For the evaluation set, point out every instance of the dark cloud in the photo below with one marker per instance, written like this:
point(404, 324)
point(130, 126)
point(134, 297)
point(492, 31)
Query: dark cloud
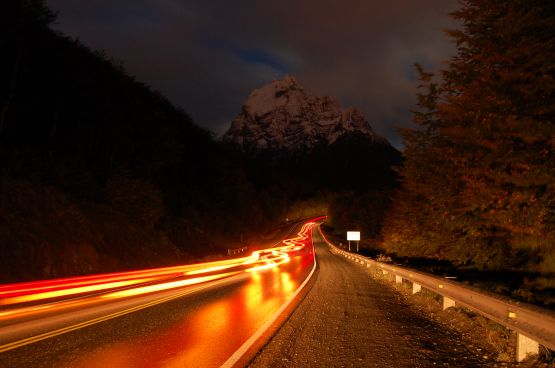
point(207, 56)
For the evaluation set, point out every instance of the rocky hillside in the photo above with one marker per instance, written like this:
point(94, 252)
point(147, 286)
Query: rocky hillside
point(282, 116)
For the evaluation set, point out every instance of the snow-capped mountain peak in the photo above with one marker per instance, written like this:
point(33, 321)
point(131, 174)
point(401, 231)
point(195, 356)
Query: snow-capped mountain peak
point(282, 116)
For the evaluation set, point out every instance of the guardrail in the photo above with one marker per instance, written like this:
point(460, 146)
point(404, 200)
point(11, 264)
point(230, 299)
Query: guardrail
point(235, 251)
point(534, 325)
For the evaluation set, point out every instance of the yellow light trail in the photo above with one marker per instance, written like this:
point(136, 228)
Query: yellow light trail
point(126, 284)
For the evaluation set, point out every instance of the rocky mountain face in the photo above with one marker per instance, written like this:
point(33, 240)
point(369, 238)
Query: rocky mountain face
point(283, 130)
point(282, 116)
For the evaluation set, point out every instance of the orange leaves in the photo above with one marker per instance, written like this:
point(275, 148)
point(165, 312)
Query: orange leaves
point(481, 172)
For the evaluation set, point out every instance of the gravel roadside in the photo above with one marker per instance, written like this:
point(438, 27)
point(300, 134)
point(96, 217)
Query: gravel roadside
point(351, 320)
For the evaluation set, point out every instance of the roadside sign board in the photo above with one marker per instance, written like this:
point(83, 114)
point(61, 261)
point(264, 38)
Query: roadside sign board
point(353, 235)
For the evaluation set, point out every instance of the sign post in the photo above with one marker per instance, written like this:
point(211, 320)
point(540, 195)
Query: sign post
point(353, 235)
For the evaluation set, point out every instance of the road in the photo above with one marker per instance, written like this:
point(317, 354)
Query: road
point(194, 316)
point(350, 320)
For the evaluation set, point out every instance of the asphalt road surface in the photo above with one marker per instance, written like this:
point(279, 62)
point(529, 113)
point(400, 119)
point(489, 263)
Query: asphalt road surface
point(201, 328)
point(351, 320)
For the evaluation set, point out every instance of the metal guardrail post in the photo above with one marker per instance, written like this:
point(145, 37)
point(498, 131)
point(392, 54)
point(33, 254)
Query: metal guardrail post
point(448, 303)
point(525, 346)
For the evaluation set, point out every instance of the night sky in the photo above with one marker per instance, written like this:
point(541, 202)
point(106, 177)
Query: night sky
point(207, 56)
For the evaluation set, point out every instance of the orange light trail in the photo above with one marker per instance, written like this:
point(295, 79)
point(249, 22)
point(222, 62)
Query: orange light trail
point(29, 298)
point(76, 290)
point(165, 286)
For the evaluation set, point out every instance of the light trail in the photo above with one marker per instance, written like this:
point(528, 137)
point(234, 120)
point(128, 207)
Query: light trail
point(46, 296)
point(165, 286)
point(76, 290)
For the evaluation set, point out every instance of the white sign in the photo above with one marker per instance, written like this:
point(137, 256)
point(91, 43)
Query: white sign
point(353, 235)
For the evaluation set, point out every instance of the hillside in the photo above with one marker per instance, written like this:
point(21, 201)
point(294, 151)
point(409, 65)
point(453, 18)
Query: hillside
point(98, 171)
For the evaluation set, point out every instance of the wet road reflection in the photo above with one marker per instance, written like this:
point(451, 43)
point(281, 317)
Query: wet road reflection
point(209, 331)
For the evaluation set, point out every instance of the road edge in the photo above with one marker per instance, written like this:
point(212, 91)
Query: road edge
point(250, 348)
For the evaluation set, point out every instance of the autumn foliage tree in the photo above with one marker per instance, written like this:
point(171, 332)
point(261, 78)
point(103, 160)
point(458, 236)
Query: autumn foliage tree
point(479, 174)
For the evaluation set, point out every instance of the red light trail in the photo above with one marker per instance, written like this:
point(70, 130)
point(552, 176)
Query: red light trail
point(33, 298)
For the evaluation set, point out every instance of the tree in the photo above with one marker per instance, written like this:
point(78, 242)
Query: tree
point(499, 113)
point(424, 221)
point(482, 162)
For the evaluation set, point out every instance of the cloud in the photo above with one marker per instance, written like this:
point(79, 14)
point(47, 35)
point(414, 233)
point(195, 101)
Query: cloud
point(207, 56)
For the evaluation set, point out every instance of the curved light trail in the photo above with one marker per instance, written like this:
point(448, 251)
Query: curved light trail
point(31, 299)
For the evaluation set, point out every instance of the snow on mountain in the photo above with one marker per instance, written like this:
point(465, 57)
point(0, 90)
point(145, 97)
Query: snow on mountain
point(282, 116)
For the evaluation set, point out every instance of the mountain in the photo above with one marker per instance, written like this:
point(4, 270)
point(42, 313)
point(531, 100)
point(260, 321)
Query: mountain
point(283, 129)
point(99, 173)
point(282, 117)
point(313, 153)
